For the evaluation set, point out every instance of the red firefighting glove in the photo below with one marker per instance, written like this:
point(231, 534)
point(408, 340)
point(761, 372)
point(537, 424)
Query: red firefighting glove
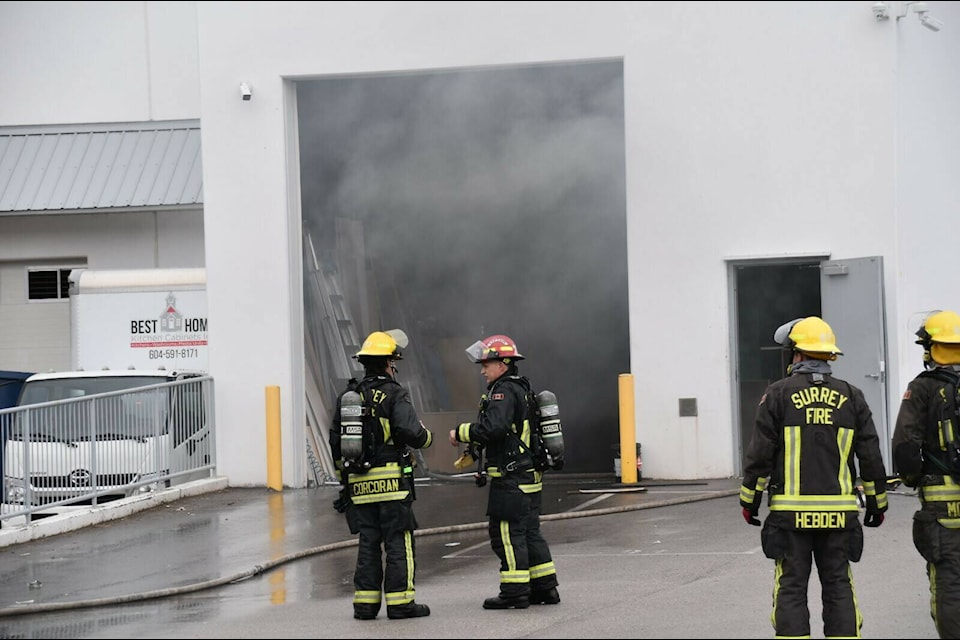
point(750, 498)
point(873, 519)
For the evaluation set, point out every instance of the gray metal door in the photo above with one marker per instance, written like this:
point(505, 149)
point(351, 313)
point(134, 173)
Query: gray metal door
point(851, 294)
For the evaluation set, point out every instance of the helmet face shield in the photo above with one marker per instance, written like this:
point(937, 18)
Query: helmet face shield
point(475, 351)
point(782, 335)
point(399, 337)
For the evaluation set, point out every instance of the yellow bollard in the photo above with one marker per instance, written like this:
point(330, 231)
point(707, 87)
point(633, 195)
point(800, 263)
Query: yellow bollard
point(628, 432)
point(274, 455)
point(278, 540)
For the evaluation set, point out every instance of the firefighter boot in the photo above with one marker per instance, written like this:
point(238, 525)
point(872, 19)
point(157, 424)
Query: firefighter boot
point(412, 610)
point(550, 596)
point(365, 611)
point(507, 602)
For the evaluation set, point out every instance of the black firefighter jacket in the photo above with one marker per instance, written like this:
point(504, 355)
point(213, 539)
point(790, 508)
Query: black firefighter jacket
point(926, 442)
point(392, 425)
point(810, 428)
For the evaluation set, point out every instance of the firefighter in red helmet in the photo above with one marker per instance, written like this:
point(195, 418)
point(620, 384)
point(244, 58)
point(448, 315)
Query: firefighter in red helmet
point(502, 429)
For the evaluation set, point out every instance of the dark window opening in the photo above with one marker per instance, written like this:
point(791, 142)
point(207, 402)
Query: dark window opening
point(48, 284)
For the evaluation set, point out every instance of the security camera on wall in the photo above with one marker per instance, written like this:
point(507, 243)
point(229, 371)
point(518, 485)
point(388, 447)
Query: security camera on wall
point(930, 22)
point(922, 11)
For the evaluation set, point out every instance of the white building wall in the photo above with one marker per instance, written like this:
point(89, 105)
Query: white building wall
point(132, 240)
point(760, 129)
point(927, 189)
point(85, 62)
point(129, 240)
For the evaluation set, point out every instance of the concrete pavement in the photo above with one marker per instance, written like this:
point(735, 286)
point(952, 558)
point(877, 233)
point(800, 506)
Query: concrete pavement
point(658, 559)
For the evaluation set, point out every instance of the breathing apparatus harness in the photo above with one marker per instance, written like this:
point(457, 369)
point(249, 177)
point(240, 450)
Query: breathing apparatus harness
point(545, 450)
point(359, 448)
point(949, 461)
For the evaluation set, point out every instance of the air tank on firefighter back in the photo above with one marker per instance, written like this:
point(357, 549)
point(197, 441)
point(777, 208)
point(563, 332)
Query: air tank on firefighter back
point(550, 427)
point(351, 430)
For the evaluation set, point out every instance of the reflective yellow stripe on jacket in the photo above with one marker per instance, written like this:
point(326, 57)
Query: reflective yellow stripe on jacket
point(533, 487)
point(749, 495)
point(792, 500)
point(379, 484)
point(945, 495)
point(870, 489)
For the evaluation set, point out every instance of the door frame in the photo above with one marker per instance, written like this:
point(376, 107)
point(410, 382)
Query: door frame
point(866, 275)
point(734, 344)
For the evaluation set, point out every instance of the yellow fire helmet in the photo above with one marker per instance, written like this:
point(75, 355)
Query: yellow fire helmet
point(809, 335)
point(940, 326)
point(940, 337)
point(384, 343)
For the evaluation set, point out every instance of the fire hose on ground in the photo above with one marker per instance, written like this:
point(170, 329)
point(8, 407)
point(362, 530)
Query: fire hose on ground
point(336, 546)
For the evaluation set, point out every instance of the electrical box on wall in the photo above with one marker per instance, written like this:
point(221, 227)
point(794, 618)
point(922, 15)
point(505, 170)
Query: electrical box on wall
point(688, 407)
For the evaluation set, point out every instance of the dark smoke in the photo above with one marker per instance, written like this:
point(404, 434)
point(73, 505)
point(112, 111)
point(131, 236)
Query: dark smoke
point(492, 201)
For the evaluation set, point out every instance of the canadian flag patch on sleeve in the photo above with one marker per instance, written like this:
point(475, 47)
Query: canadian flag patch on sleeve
point(497, 396)
point(906, 394)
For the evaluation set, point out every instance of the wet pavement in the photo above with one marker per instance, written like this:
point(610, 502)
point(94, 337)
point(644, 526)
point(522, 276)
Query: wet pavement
point(664, 559)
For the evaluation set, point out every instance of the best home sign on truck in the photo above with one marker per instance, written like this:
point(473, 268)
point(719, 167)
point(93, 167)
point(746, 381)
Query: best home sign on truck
point(138, 318)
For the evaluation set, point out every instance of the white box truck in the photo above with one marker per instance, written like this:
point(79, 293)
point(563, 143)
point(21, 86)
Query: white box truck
point(138, 318)
point(130, 329)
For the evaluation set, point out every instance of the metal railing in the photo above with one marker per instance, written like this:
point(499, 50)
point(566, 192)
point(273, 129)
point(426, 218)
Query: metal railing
point(69, 453)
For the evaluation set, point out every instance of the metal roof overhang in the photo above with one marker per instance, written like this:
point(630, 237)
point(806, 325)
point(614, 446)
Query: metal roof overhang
point(139, 166)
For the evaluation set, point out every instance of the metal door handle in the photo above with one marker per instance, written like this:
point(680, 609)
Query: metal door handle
point(875, 376)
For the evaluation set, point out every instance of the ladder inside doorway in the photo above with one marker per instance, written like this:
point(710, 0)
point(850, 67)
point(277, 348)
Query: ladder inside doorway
point(330, 342)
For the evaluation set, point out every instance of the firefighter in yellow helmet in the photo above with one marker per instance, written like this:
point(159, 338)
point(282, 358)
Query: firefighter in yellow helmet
point(926, 452)
point(373, 428)
point(503, 429)
point(809, 427)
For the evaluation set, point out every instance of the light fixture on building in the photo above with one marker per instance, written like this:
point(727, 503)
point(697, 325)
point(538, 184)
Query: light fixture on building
point(921, 9)
point(245, 91)
point(881, 11)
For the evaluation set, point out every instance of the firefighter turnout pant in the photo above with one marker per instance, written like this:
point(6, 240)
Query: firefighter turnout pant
point(938, 541)
point(795, 551)
point(389, 525)
point(514, 528)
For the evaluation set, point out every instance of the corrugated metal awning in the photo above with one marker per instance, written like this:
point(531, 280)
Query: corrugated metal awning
point(71, 168)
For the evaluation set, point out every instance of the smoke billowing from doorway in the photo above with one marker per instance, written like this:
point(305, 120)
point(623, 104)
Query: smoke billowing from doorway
point(491, 201)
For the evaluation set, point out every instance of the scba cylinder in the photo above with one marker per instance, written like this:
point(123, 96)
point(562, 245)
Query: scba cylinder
point(550, 427)
point(351, 428)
